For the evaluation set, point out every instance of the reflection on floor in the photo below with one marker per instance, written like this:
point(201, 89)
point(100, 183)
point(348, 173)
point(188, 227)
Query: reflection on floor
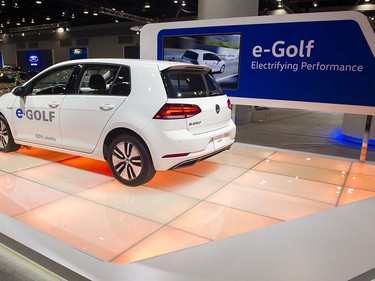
point(76, 200)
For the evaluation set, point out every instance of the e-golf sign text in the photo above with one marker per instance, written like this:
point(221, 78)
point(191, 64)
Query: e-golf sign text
point(321, 61)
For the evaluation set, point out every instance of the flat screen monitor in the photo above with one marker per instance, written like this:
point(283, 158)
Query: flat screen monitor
point(34, 60)
point(221, 52)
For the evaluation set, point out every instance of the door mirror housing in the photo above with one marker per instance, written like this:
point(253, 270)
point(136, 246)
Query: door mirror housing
point(19, 91)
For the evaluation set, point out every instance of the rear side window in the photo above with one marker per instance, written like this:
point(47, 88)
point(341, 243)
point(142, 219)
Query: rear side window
point(190, 84)
point(210, 57)
point(121, 86)
point(98, 79)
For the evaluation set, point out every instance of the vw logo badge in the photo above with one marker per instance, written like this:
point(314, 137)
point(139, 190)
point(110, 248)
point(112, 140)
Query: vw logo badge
point(217, 109)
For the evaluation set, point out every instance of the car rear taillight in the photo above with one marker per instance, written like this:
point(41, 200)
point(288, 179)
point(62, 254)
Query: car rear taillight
point(229, 104)
point(177, 111)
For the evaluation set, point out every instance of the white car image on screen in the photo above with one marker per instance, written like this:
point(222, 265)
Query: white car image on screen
point(139, 116)
point(205, 58)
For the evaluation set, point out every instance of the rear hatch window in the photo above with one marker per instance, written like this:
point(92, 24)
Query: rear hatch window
point(183, 83)
point(191, 55)
point(198, 87)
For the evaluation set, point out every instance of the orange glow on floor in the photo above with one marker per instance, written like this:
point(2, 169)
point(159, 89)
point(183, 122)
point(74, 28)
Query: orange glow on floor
point(88, 164)
point(77, 200)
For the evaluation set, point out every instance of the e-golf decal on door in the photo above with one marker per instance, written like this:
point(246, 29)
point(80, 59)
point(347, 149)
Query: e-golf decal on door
point(38, 115)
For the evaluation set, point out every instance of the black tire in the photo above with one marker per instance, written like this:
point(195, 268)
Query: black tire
point(130, 161)
point(7, 143)
point(222, 68)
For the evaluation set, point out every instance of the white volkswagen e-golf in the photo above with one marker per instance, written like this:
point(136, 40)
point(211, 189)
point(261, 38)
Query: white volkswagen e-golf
point(139, 116)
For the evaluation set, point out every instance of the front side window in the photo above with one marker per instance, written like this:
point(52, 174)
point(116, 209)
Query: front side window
point(55, 82)
point(190, 84)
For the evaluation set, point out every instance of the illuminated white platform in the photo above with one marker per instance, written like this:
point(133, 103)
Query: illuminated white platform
point(75, 206)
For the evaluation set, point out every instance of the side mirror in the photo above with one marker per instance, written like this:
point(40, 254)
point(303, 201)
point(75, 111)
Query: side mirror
point(19, 91)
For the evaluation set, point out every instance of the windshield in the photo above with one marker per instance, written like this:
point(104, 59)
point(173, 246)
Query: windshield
point(190, 84)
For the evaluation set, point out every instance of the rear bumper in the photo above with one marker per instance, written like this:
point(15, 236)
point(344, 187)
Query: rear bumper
point(196, 146)
point(192, 162)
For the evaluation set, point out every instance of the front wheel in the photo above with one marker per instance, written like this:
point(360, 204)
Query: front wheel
point(7, 143)
point(222, 68)
point(130, 161)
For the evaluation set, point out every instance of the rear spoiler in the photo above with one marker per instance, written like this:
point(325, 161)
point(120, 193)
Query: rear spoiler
point(205, 69)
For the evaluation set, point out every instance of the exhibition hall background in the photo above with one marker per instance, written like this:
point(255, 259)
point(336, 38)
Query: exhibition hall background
point(108, 40)
point(123, 40)
point(102, 41)
point(118, 40)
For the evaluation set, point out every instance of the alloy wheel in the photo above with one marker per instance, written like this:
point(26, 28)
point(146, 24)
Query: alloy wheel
point(127, 160)
point(4, 138)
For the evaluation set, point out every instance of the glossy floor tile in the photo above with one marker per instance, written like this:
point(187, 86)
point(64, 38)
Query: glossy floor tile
point(361, 182)
point(77, 201)
point(64, 178)
point(302, 172)
point(207, 169)
point(188, 185)
point(235, 160)
point(149, 203)
point(311, 160)
point(350, 195)
point(251, 151)
point(98, 230)
point(266, 203)
point(88, 164)
point(363, 169)
point(44, 154)
point(18, 195)
point(171, 239)
point(12, 162)
point(297, 187)
point(215, 221)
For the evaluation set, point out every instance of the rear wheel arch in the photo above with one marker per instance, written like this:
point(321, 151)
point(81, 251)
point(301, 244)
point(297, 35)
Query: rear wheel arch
point(117, 132)
point(128, 157)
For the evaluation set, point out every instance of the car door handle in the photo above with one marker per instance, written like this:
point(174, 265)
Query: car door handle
point(53, 105)
point(106, 107)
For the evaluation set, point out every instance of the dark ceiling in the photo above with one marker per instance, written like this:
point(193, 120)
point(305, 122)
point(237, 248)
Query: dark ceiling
point(20, 13)
point(311, 6)
point(15, 14)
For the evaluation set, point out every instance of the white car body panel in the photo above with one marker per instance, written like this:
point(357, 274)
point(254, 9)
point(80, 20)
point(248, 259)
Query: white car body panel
point(82, 124)
point(36, 110)
point(86, 116)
